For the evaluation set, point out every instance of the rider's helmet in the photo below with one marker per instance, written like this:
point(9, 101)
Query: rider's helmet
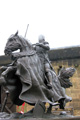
point(41, 39)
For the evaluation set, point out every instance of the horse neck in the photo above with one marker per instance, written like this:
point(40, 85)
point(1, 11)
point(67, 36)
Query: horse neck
point(26, 46)
point(23, 49)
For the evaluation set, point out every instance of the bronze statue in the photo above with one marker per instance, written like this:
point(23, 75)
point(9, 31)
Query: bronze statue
point(30, 77)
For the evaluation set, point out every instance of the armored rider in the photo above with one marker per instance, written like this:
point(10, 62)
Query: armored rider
point(42, 48)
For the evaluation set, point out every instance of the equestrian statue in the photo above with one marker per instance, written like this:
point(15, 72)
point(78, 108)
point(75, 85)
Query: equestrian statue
point(31, 78)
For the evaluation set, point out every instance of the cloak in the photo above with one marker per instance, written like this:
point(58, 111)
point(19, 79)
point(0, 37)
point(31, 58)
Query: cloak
point(26, 83)
point(30, 73)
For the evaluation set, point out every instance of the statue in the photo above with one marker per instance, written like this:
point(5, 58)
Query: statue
point(30, 77)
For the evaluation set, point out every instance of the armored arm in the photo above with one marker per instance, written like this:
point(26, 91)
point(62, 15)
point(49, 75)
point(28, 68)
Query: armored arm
point(44, 45)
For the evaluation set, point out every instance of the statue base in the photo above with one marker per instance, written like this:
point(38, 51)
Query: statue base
point(30, 116)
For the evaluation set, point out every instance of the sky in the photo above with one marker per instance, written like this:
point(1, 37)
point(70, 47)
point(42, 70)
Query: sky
point(57, 20)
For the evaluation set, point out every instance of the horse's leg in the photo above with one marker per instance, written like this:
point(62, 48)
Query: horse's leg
point(61, 103)
point(49, 109)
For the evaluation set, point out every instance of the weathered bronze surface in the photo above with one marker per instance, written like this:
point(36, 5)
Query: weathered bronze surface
point(31, 78)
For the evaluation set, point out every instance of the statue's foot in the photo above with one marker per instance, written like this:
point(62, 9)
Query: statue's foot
point(62, 103)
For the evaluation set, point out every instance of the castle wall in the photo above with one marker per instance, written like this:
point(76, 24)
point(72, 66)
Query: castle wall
point(73, 91)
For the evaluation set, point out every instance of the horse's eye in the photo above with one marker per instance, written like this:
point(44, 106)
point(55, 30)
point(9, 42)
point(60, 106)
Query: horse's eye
point(11, 40)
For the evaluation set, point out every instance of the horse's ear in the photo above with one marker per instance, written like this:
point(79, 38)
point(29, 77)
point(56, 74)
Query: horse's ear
point(16, 33)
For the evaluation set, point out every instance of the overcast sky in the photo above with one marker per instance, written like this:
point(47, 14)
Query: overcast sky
point(57, 20)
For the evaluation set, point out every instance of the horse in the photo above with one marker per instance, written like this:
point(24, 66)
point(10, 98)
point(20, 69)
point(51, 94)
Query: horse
point(25, 77)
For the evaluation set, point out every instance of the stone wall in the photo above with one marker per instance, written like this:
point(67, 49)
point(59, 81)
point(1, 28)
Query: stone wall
point(74, 91)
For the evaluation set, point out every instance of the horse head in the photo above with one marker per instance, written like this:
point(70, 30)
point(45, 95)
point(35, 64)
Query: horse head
point(16, 42)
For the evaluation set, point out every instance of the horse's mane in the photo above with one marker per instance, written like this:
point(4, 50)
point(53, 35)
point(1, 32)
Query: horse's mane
point(25, 41)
